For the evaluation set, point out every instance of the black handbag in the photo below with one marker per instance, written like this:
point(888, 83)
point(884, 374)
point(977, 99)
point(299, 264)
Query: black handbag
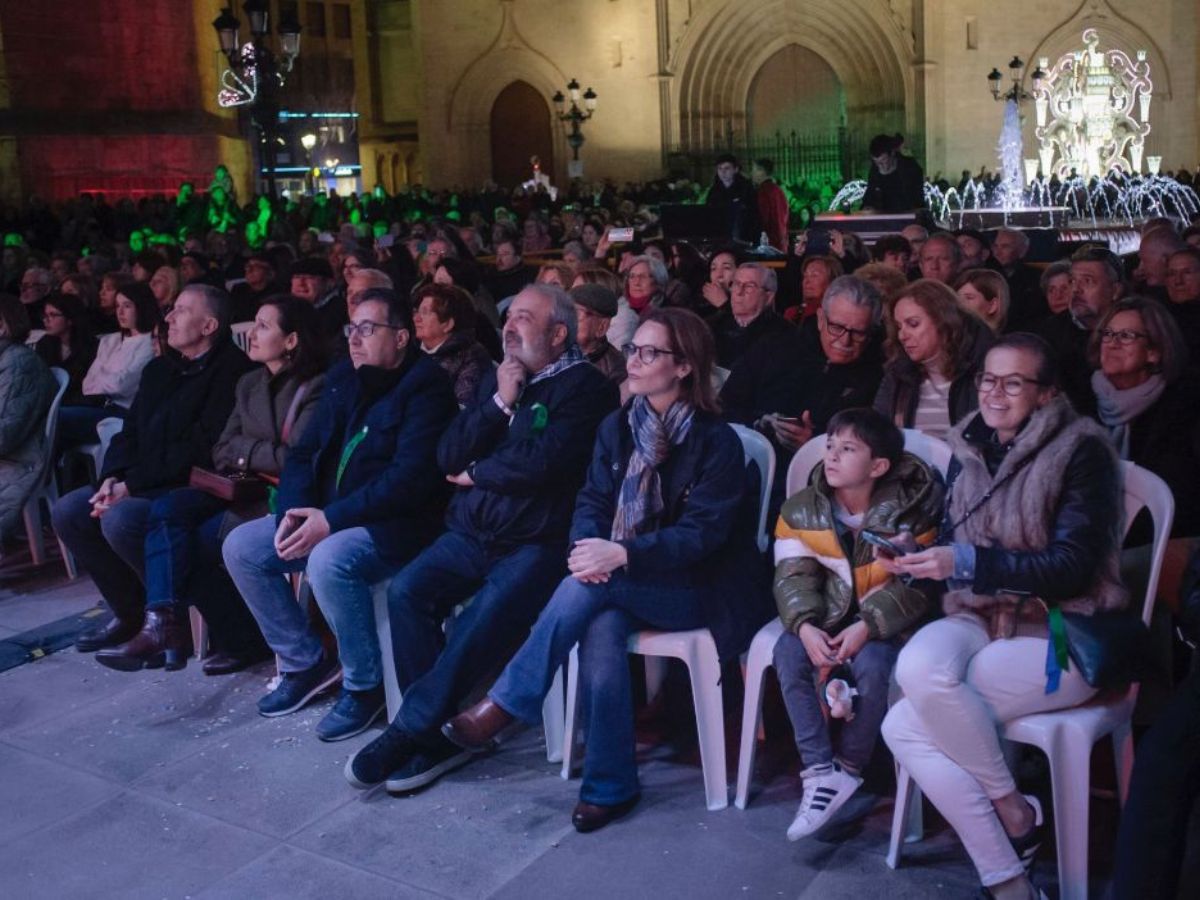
point(1111, 649)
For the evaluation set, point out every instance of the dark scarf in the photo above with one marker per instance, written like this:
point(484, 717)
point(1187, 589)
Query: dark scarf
point(640, 498)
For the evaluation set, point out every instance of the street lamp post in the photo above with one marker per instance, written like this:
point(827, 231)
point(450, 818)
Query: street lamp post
point(256, 74)
point(1015, 93)
point(575, 117)
point(308, 141)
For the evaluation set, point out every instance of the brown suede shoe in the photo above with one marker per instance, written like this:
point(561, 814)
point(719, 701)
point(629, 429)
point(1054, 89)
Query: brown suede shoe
point(591, 817)
point(163, 642)
point(478, 727)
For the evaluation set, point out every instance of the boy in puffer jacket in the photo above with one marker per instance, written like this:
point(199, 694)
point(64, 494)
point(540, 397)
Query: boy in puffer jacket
point(839, 607)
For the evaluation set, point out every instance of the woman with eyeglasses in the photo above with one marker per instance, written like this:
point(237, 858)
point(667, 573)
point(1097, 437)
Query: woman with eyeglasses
point(1030, 529)
point(68, 343)
point(1146, 398)
point(660, 531)
point(934, 349)
point(444, 326)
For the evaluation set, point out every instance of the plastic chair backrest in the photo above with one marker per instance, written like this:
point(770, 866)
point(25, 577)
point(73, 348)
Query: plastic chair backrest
point(1145, 490)
point(758, 450)
point(241, 335)
point(62, 379)
point(932, 450)
point(106, 430)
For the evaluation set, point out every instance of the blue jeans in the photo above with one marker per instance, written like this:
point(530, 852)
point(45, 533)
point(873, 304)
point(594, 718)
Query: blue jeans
point(77, 424)
point(600, 618)
point(437, 671)
point(872, 670)
point(341, 569)
point(109, 548)
point(184, 567)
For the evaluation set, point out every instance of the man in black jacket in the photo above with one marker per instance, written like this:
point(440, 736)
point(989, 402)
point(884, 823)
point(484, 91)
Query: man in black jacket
point(181, 406)
point(734, 194)
point(360, 495)
point(793, 383)
point(519, 456)
point(749, 318)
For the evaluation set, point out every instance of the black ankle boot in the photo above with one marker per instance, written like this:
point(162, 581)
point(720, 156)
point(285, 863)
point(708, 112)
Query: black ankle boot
point(162, 642)
point(113, 632)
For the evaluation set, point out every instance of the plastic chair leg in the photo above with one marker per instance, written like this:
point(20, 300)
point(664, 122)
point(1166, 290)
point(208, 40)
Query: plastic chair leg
point(383, 631)
point(32, 514)
point(199, 633)
point(1070, 777)
point(656, 674)
point(908, 796)
point(755, 671)
point(1122, 740)
point(705, 673)
point(570, 745)
point(553, 718)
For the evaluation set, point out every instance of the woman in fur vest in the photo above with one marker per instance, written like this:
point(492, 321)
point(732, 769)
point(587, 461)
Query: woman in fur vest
point(1032, 519)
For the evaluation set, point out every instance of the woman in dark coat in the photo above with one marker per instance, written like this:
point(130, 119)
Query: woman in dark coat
point(444, 320)
point(68, 343)
point(934, 349)
point(656, 533)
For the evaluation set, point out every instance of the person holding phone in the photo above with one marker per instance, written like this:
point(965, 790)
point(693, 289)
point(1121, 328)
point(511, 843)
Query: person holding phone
point(839, 606)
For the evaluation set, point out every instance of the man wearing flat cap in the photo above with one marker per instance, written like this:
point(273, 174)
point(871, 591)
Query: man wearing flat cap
point(595, 307)
point(312, 280)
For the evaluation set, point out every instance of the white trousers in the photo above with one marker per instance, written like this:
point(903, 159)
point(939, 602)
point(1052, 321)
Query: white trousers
point(959, 686)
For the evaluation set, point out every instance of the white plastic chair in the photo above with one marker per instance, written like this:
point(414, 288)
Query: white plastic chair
point(1067, 736)
point(761, 656)
point(552, 707)
point(47, 488)
point(697, 650)
point(106, 430)
point(35, 335)
point(241, 335)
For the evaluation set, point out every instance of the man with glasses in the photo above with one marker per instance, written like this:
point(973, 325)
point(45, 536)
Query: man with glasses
point(792, 384)
point(518, 456)
point(359, 496)
point(1096, 284)
point(35, 285)
point(749, 318)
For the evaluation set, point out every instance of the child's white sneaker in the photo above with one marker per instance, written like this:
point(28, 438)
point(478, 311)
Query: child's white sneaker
point(826, 789)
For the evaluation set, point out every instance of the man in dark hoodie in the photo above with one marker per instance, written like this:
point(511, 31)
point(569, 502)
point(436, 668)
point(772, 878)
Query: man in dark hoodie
point(733, 193)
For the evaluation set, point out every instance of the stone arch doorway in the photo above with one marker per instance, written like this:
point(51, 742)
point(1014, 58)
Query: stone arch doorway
point(520, 129)
point(795, 90)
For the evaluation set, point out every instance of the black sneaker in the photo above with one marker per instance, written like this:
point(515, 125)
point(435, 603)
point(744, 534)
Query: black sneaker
point(352, 714)
point(375, 762)
point(1028, 844)
point(295, 689)
point(427, 765)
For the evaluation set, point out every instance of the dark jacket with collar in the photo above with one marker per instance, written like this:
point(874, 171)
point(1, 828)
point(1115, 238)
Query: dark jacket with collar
point(254, 430)
point(705, 537)
point(900, 391)
point(465, 360)
point(177, 416)
point(734, 341)
point(1166, 440)
point(1070, 342)
point(526, 475)
point(391, 484)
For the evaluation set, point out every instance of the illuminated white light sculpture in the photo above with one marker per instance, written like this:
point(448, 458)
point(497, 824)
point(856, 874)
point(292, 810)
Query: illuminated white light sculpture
point(1086, 108)
point(239, 88)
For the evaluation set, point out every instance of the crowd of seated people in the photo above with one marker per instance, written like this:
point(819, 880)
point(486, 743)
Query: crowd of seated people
point(537, 447)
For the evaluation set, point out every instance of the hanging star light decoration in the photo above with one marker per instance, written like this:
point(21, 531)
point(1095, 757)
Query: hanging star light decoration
point(239, 89)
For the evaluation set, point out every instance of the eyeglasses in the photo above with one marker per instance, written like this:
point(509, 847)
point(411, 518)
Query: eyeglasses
point(646, 354)
point(638, 276)
point(365, 329)
point(739, 286)
point(48, 314)
point(1012, 385)
point(837, 330)
point(1124, 338)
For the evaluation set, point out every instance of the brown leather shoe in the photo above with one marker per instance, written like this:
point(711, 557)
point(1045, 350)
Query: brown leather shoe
point(591, 817)
point(163, 642)
point(477, 728)
point(113, 632)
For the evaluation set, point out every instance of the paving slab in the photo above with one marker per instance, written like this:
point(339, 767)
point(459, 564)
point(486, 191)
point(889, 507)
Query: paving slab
point(297, 874)
point(466, 836)
point(161, 718)
point(130, 847)
point(54, 686)
point(35, 792)
point(21, 613)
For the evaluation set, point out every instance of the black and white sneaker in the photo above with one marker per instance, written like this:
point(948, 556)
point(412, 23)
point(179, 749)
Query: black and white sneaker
point(826, 789)
point(429, 763)
point(1028, 845)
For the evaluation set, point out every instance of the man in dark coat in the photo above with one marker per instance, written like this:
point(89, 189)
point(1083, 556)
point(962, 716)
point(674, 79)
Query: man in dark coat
point(180, 409)
point(359, 496)
point(1026, 305)
point(733, 193)
point(749, 317)
point(519, 456)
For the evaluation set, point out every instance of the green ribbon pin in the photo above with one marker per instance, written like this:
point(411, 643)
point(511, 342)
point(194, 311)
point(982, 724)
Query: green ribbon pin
point(347, 452)
point(541, 417)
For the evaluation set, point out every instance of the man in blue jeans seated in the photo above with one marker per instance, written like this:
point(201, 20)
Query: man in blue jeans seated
point(519, 456)
point(360, 495)
point(841, 612)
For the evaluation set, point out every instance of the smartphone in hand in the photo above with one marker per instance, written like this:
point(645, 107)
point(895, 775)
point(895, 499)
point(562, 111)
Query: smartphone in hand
point(886, 548)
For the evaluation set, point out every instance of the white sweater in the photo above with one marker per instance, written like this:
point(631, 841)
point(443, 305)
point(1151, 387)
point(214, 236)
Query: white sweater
point(118, 367)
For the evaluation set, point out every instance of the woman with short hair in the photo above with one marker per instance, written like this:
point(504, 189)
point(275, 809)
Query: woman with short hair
point(68, 343)
point(444, 326)
point(984, 293)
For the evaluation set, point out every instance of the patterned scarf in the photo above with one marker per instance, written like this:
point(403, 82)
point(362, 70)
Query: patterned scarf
point(573, 356)
point(640, 499)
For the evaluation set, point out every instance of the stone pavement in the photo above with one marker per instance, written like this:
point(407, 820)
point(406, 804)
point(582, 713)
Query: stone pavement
point(169, 785)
